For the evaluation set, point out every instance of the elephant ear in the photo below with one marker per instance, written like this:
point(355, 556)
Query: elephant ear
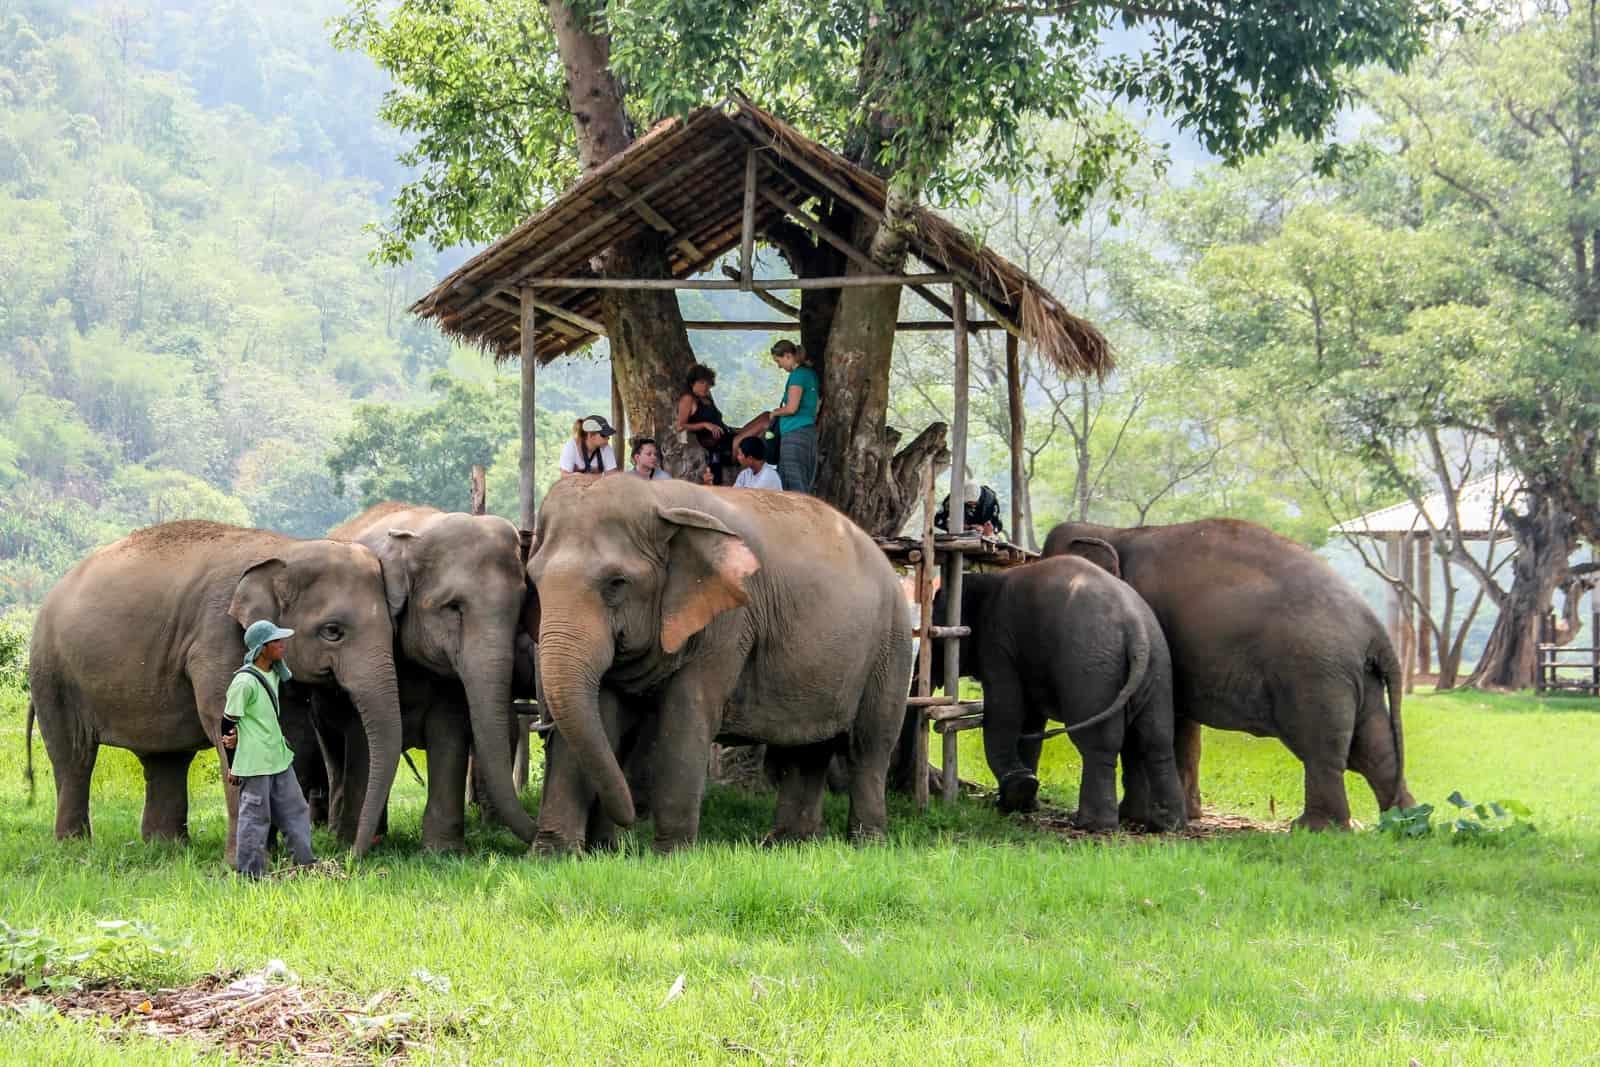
point(262, 592)
point(1096, 551)
point(707, 567)
point(395, 555)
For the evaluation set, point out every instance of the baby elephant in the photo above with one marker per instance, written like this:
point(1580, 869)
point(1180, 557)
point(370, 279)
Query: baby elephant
point(1061, 639)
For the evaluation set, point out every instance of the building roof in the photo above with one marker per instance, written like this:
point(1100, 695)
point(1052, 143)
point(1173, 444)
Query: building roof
point(1479, 504)
point(685, 178)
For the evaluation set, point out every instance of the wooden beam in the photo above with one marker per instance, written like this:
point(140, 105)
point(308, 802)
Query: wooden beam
point(1424, 594)
point(784, 326)
point(1018, 419)
point(720, 148)
point(956, 561)
point(782, 307)
point(551, 307)
point(747, 225)
point(851, 252)
point(924, 687)
point(845, 281)
point(621, 190)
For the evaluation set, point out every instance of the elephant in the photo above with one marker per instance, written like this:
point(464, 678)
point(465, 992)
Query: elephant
point(704, 614)
point(1061, 639)
point(457, 591)
point(136, 645)
point(1267, 639)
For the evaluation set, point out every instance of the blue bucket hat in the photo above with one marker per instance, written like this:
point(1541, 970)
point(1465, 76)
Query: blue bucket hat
point(259, 633)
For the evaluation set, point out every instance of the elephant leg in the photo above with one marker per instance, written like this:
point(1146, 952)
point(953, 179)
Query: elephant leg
point(210, 686)
point(1097, 789)
point(1135, 806)
point(802, 781)
point(874, 737)
point(444, 815)
point(72, 750)
point(1187, 749)
point(568, 802)
point(682, 759)
point(1162, 805)
point(1003, 713)
point(1372, 751)
point(1327, 804)
point(1318, 726)
point(166, 795)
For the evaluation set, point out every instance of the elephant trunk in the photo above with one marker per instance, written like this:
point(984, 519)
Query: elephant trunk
point(376, 695)
point(572, 660)
point(488, 684)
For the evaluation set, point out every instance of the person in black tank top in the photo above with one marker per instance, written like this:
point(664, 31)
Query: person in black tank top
point(698, 413)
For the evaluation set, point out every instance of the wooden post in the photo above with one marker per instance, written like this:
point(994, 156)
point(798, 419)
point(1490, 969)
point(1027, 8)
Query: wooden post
point(958, 512)
point(480, 490)
point(619, 417)
point(1018, 427)
point(1425, 594)
point(926, 568)
point(530, 364)
point(525, 487)
point(1408, 632)
point(747, 226)
point(1391, 564)
point(958, 421)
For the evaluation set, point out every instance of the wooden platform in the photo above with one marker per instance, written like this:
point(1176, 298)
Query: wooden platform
point(983, 551)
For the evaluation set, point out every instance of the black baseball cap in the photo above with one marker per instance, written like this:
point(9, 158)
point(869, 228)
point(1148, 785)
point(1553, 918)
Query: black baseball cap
point(597, 424)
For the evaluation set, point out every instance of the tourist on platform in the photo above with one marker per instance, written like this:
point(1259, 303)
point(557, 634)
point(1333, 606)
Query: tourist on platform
point(757, 473)
point(647, 460)
point(698, 414)
point(588, 452)
point(795, 419)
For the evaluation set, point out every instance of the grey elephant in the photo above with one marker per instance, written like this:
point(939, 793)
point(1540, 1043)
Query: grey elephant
point(136, 645)
point(707, 614)
point(457, 591)
point(1266, 639)
point(1060, 639)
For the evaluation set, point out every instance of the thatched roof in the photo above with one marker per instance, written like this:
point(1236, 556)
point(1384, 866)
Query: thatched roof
point(685, 177)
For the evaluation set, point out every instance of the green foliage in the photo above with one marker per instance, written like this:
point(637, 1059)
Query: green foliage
point(1478, 824)
point(16, 628)
point(901, 85)
point(123, 949)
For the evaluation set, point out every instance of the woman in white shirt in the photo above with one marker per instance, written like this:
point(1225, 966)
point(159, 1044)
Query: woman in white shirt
point(587, 451)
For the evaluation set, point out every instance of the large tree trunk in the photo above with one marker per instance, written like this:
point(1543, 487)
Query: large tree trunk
point(1545, 539)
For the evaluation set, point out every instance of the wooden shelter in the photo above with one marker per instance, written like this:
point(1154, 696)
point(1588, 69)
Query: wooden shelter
point(710, 184)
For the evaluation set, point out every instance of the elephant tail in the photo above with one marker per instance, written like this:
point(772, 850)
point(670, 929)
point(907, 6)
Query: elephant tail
point(1138, 666)
point(28, 773)
point(1382, 656)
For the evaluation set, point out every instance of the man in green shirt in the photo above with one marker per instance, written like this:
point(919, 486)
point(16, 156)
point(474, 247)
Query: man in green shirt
point(260, 761)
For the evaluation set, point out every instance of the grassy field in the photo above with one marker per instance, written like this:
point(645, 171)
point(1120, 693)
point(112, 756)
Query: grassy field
point(968, 939)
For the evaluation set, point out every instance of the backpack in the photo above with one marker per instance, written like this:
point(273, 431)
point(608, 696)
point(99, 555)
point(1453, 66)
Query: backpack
point(985, 509)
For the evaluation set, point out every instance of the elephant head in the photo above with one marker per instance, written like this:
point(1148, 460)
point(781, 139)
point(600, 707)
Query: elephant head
point(626, 577)
point(1065, 541)
point(457, 592)
point(333, 596)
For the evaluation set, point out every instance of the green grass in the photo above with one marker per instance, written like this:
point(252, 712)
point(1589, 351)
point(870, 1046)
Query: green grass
point(966, 940)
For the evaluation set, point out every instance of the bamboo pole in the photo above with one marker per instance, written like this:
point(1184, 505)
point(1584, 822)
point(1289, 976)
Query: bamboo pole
point(525, 486)
point(1408, 632)
point(780, 326)
point(924, 688)
point(747, 224)
point(1018, 428)
point(1425, 594)
point(956, 561)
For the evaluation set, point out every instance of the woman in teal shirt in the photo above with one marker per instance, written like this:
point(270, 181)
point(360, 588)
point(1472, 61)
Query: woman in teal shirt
point(796, 418)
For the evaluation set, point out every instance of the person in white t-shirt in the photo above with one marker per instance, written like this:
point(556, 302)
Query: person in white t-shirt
point(752, 456)
point(587, 452)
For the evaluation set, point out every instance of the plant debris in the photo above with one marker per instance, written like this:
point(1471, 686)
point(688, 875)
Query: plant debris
point(1210, 824)
point(253, 1018)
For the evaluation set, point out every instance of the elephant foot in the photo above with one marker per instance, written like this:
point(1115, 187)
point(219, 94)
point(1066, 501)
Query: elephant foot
point(780, 838)
point(1019, 791)
point(1318, 821)
point(552, 845)
point(868, 835)
point(1094, 824)
point(457, 846)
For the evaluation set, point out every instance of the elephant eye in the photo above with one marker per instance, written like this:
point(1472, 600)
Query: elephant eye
point(614, 586)
point(331, 631)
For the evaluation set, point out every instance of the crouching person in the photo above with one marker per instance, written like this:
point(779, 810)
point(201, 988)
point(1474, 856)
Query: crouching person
point(260, 762)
